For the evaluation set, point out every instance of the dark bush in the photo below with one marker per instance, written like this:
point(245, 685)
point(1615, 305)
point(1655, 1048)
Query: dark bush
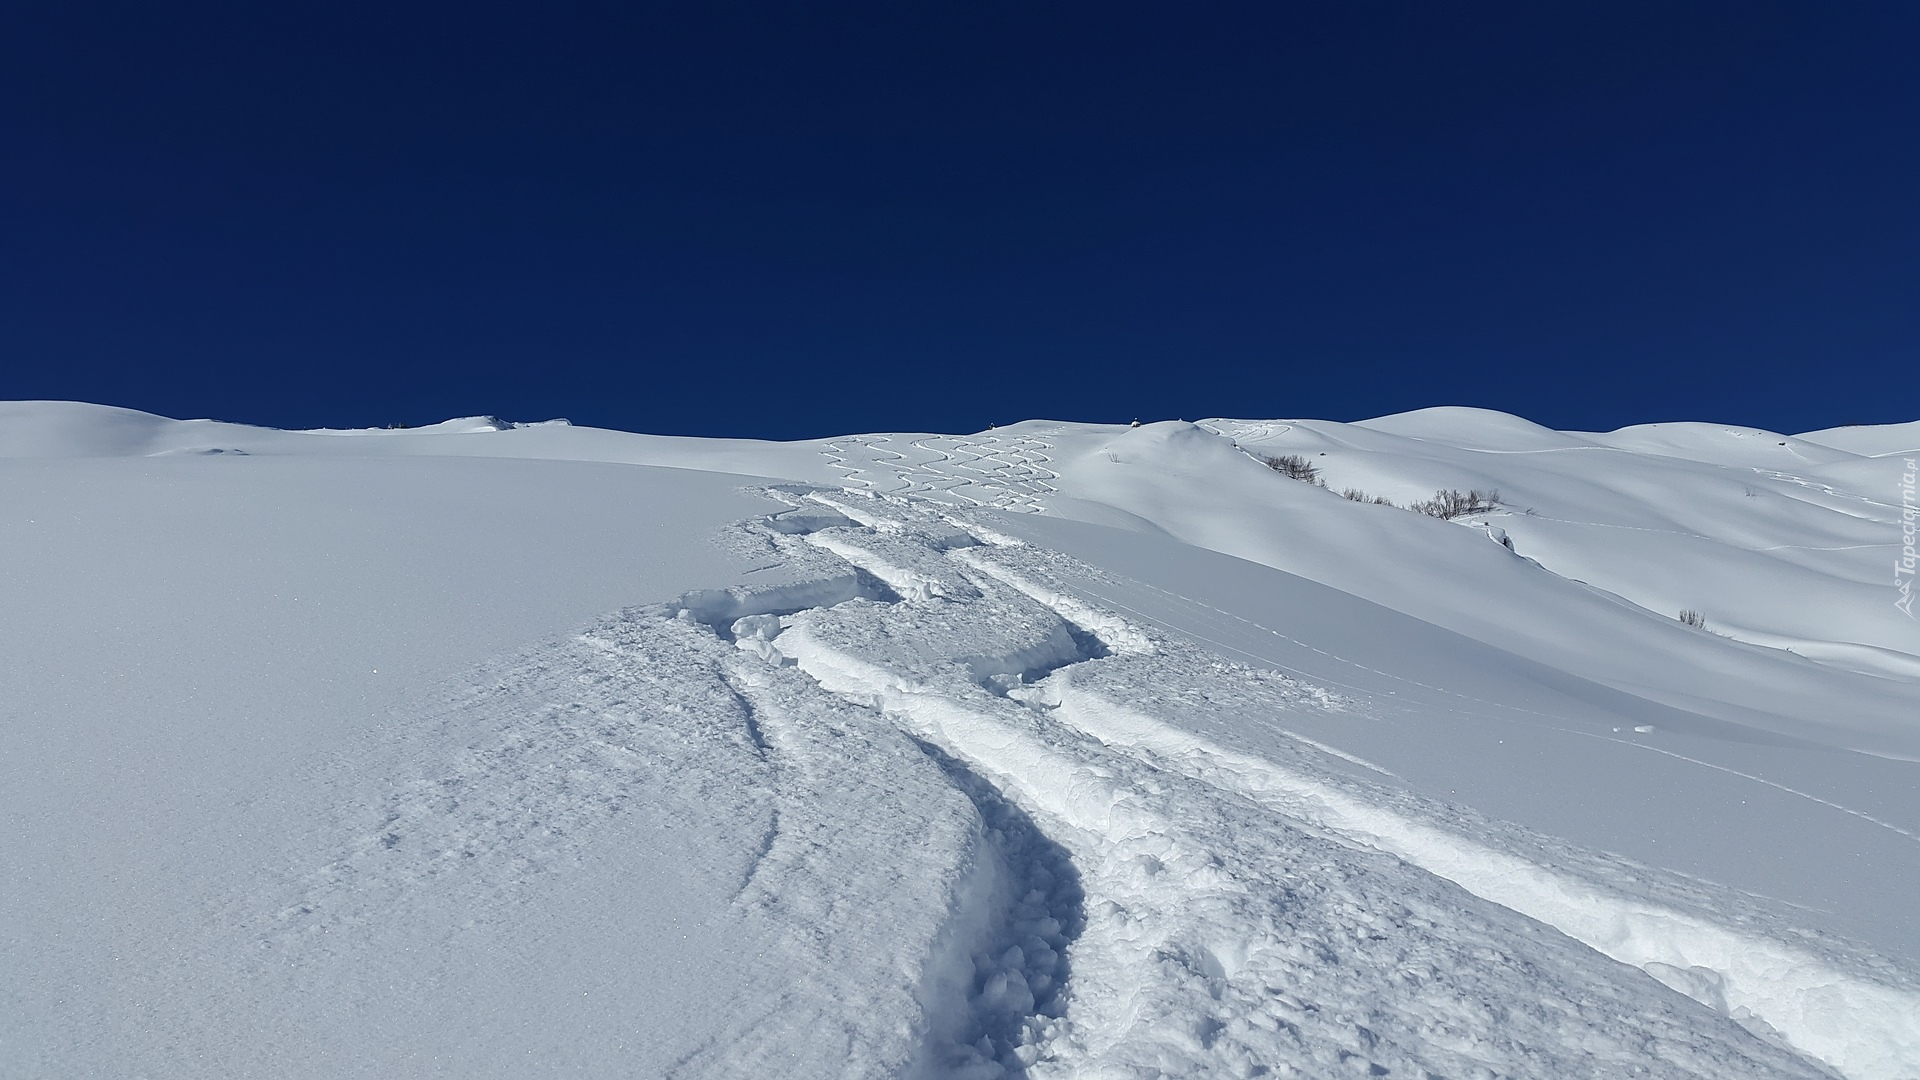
point(1448, 503)
point(1294, 466)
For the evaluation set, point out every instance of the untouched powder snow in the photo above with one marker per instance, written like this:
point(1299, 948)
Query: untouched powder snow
point(1057, 750)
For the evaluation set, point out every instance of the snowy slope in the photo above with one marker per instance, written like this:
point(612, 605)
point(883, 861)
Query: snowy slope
point(1058, 749)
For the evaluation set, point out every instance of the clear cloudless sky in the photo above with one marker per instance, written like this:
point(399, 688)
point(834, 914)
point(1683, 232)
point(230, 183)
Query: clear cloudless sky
point(796, 219)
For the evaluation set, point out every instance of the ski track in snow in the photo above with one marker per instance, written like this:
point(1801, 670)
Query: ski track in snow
point(993, 842)
point(1248, 431)
point(1001, 472)
point(1892, 509)
point(1251, 917)
point(1465, 704)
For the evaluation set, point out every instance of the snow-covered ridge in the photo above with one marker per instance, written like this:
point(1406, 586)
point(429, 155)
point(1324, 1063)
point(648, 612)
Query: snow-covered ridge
point(1053, 749)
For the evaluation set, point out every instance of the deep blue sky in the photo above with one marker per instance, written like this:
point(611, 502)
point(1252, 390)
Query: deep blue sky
point(797, 219)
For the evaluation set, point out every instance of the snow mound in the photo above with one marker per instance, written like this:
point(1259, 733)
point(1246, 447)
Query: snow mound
point(1885, 440)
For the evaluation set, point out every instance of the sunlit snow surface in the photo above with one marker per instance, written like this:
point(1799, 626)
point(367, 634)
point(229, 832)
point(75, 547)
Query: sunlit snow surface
point(1056, 750)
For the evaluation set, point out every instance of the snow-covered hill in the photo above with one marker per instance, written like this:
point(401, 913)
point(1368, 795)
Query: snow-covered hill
point(1067, 750)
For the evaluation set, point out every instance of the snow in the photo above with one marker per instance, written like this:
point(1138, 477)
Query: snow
point(1061, 750)
point(203, 659)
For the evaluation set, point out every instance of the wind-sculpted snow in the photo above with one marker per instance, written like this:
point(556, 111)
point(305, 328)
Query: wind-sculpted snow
point(833, 844)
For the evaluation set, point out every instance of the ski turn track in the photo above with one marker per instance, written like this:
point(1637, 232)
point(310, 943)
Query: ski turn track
point(1168, 907)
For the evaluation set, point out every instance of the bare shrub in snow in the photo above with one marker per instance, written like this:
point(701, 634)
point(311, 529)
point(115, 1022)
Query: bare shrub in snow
point(1356, 495)
point(1294, 466)
point(1694, 619)
point(1448, 503)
